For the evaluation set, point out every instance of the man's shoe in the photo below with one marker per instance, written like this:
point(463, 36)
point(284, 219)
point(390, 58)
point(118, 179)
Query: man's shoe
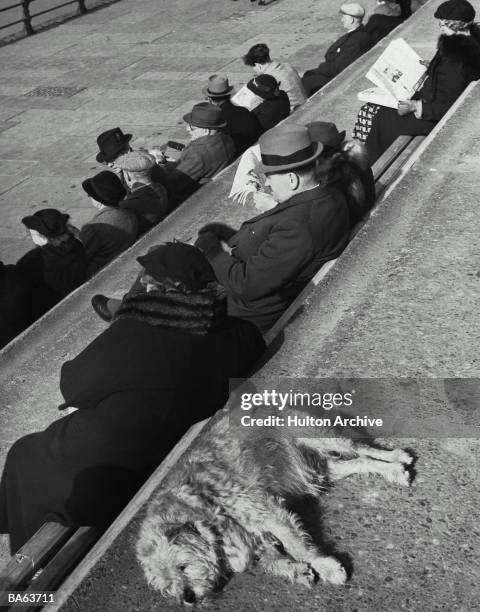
point(100, 306)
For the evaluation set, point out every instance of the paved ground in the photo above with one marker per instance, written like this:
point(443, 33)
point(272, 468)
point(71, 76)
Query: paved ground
point(139, 64)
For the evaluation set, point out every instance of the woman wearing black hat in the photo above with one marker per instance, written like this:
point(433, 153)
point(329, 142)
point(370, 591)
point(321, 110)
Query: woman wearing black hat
point(454, 66)
point(57, 265)
point(112, 229)
point(275, 105)
point(163, 364)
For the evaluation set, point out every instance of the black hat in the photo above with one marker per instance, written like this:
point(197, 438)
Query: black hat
point(111, 144)
point(49, 222)
point(105, 187)
point(456, 10)
point(180, 262)
point(327, 133)
point(205, 115)
point(264, 85)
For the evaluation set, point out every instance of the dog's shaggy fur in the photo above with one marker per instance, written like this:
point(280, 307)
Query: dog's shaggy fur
point(225, 508)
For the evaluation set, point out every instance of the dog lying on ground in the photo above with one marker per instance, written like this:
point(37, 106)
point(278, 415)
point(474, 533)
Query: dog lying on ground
point(225, 508)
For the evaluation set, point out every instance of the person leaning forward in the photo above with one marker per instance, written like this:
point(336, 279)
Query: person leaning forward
point(266, 264)
point(209, 151)
point(343, 52)
point(242, 125)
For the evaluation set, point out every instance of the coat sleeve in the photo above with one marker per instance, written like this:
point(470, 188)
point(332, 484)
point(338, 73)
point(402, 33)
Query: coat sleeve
point(191, 164)
point(450, 82)
point(278, 261)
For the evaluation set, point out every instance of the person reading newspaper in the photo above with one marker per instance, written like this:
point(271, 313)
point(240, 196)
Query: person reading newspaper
point(456, 63)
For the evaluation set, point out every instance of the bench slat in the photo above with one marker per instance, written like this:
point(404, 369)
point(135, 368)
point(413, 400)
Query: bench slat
point(389, 156)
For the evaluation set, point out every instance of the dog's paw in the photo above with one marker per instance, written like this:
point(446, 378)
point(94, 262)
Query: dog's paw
point(399, 474)
point(402, 456)
point(304, 574)
point(329, 569)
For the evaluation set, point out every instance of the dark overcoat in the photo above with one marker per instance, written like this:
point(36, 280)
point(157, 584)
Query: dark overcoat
point(16, 312)
point(53, 272)
point(271, 112)
point(454, 66)
point(379, 25)
point(242, 125)
point(137, 388)
point(341, 54)
point(275, 254)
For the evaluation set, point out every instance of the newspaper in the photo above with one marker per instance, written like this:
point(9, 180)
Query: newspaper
point(398, 73)
point(245, 97)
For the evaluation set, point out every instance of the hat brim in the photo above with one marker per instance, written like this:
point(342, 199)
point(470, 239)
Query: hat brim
point(210, 94)
point(292, 166)
point(34, 223)
point(188, 119)
point(100, 157)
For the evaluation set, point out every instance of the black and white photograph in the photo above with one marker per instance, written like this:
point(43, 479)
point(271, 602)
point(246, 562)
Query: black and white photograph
point(239, 305)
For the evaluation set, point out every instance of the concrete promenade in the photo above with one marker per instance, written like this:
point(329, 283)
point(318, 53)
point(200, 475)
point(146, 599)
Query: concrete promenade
point(139, 64)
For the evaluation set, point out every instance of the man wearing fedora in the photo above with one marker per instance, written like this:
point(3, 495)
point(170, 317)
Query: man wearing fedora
point(242, 125)
point(209, 151)
point(343, 52)
point(266, 264)
point(147, 199)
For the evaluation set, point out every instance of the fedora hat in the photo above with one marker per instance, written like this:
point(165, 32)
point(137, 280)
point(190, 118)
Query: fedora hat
point(111, 143)
point(264, 85)
point(105, 187)
point(327, 133)
point(180, 262)
point(205, 115)
point(287, 147)
point(49, 222)
point(217, 87)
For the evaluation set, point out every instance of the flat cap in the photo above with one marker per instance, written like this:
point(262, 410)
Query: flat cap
point(353, 9)
point(136, 161)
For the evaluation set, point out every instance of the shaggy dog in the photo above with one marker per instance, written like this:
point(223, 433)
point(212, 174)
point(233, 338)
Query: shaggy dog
point(225, 508)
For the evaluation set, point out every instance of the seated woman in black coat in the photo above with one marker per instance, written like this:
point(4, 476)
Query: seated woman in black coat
point(275, 105)
point(58, 264)
point(454, 66)
point(163, 364)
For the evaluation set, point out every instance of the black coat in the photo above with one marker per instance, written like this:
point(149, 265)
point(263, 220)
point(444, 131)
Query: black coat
point(15, 303)
point(137, 388)
point(242, 125)
point(271, 112)
point(53, 272)
point(454, 66)
point(341, 54)
point(275, 254)
point(378, 26)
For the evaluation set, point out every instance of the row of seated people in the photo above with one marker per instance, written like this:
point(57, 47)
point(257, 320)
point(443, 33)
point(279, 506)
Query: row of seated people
point(193, 319)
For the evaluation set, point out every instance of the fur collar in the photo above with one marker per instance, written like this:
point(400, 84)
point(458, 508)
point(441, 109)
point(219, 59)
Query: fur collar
point(390, 9)
point(194, 313)
point(462, 49)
